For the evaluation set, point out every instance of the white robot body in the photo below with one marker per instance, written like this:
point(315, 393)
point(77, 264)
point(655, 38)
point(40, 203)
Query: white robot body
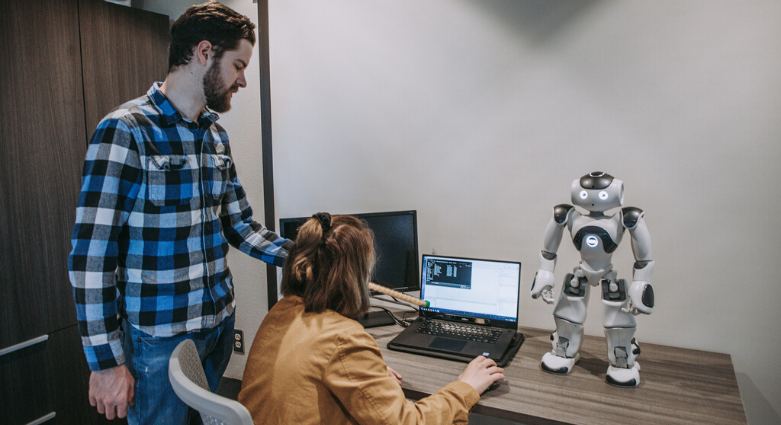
point(594, 276)
point(572, 308)
point(596, 236)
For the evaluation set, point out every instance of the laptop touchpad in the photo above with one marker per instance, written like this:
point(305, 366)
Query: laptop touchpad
point(447, 344)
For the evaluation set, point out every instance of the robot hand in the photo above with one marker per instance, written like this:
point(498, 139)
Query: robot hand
point(641, 298)
point(543, 285)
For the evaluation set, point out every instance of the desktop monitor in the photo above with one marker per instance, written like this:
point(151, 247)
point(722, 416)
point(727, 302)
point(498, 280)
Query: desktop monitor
point(396, 241)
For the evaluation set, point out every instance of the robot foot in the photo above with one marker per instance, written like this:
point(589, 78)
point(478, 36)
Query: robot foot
point(556, 365)
point(625, 378)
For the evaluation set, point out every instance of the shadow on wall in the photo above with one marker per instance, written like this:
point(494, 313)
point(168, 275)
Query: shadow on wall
point(761, 412)
point(539, 20)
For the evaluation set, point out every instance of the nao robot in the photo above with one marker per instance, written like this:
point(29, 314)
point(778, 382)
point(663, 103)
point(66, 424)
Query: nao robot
point(597, 235)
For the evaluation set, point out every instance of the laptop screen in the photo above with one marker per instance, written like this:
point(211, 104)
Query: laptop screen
point(486, 289)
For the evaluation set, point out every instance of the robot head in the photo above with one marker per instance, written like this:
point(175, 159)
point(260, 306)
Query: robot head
point(598, 191)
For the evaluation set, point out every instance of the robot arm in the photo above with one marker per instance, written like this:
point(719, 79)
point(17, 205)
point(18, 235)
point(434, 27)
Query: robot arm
point(641, 293)
point(544, 280)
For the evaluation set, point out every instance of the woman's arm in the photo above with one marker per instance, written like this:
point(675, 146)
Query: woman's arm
point(359, 378)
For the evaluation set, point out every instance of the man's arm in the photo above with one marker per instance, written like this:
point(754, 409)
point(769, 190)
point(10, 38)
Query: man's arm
point(246, 234)
point(110, 182)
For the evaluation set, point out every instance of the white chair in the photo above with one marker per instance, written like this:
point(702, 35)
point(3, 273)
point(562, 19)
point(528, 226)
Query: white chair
point(189, 382)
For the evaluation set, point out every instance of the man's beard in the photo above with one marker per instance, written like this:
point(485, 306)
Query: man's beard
point(217, 95)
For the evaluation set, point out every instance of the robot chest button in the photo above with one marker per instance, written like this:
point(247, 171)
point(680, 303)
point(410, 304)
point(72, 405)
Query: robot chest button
point(591, 237)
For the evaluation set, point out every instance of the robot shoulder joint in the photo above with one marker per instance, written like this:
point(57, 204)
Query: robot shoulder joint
point(631, 216)
point(560, 213)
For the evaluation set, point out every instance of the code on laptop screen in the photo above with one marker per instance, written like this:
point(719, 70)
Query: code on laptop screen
point(452, 273)
point(479, 288)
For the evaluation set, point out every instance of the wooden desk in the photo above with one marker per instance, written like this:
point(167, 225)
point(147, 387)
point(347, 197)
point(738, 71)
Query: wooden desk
point(677, 386)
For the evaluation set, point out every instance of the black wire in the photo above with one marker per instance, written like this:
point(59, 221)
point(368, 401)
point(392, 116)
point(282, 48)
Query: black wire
point(403, 322)
point(404, 317)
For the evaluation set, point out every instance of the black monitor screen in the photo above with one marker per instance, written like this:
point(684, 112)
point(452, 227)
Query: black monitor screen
point(396, 238)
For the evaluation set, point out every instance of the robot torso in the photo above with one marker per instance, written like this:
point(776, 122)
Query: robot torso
point(596, 238)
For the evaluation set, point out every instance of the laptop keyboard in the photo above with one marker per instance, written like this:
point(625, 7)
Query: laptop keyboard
point(459, 331)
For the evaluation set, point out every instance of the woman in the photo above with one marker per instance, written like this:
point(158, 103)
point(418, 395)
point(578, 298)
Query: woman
point(311, 363)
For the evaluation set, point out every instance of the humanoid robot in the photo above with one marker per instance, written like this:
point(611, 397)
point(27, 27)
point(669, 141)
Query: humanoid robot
point(597, 236)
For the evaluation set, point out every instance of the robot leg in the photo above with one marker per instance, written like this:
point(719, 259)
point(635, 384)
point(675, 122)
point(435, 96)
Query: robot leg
point(567, 341)
point(569, 314)
point(622, 348)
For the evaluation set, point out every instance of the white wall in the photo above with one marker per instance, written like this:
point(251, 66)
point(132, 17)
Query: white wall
point(243, 125)
point(479, 114)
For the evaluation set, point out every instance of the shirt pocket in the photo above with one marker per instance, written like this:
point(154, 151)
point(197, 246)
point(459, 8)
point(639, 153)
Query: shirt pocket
point(220, 167)
point(170, 180)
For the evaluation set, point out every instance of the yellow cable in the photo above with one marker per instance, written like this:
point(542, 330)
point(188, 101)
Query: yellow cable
point(397, 294)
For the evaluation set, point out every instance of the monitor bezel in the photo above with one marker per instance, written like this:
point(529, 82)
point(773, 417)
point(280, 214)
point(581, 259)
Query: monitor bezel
point(414, 277)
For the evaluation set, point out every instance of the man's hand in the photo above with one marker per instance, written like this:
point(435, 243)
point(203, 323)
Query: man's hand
point(481, 373)
point(111, 391)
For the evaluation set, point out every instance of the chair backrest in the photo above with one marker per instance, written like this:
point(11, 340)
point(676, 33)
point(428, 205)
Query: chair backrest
point(189, 382)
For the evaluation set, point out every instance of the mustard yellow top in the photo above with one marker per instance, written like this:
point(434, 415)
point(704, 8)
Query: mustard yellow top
point(323, 368)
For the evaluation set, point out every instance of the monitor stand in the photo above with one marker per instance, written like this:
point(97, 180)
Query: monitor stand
point(377, 318)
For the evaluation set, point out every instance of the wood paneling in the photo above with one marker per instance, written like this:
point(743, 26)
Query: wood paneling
point(45, 377)
point(51, 376)
point(677, 386)
point(50, 106)
point(43, 150)
point(124, 51)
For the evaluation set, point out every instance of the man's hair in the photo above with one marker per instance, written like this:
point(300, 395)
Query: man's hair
point(330, 267)
point(220, 25)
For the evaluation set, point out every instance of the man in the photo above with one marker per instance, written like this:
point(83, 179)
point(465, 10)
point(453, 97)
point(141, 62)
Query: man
point(159, 204)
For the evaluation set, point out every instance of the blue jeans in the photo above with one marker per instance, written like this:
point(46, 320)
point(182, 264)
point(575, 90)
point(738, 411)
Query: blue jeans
point(147, 358)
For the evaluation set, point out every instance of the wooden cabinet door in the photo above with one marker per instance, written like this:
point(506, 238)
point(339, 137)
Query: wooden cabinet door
point(45, 133)
point(68, 63)
point(42, 128)
point(123, 52)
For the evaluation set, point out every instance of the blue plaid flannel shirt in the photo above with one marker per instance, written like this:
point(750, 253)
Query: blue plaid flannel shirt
point(159, 204)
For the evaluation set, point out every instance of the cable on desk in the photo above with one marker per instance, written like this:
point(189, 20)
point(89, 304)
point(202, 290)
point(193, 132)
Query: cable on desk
point(401, 322)
point(404, 317)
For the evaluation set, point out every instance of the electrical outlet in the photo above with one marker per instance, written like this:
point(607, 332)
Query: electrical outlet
point(238, 341)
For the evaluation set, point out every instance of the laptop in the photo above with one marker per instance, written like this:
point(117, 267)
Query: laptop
point(473, 310)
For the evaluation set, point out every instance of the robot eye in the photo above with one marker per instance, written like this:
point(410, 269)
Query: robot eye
point(583, 194)
point(603, 195)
